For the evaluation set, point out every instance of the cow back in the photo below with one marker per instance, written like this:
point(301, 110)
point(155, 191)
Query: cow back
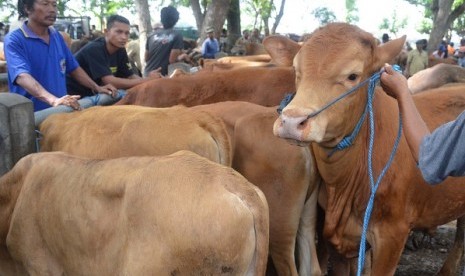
point(135, 216)
point(263, 86)
point(116, 131)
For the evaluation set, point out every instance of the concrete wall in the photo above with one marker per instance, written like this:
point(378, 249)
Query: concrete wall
point(17, 130)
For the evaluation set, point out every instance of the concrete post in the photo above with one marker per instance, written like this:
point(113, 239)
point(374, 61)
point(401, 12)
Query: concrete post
point(17, 130)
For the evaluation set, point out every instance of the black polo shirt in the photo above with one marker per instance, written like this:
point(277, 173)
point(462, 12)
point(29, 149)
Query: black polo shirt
point(97, 62)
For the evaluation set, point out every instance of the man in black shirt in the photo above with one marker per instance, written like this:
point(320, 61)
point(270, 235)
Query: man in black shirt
point(106, 61)
point(164, 45)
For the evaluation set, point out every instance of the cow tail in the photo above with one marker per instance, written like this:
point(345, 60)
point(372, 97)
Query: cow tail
point(220, 135)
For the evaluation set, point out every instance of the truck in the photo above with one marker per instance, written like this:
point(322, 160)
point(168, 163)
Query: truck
point(75, 26)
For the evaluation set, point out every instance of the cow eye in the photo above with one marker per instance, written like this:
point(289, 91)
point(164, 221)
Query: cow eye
point(353, 77)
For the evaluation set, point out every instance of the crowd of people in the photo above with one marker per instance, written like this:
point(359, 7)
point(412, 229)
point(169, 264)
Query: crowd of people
point(418, 59)
point(99, 64)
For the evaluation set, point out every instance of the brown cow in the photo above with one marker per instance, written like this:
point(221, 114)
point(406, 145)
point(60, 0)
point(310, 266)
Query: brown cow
point(173, 215)
point(436, 76)
point(336, 58)
point(286, 175)
point(278, 51)
point(117, 131)
point(263, 86)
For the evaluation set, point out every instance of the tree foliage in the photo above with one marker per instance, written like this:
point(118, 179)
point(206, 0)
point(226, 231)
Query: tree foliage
point(394, 24)
point(324, 15)
point(442, 15)
point(352, 12)
point(263, 11)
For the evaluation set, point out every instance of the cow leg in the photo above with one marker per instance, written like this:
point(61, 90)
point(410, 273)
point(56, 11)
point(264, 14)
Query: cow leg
point(387, 245)
point(306, 247)
point(451, 265)
point(282, 253)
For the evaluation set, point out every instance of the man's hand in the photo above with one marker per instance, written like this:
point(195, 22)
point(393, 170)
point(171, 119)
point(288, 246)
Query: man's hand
point(68, 100)
point(107, 89)
point(155, 74)
point(394, 83)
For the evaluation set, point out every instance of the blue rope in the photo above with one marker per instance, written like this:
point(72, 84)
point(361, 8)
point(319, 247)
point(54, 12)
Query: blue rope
point(348, 141)
point(374, 185)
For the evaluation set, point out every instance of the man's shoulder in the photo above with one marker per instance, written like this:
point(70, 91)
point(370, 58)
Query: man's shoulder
point(14, 35)
point(93, 47)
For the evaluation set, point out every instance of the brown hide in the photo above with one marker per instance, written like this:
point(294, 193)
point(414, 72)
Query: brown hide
point(436, 76)
point(263, 86)
point(334, 59)
point(66, 38)
point(286, 175)
point(116, 131)
point(432, 61)
point(177, 214)
point(279, 51)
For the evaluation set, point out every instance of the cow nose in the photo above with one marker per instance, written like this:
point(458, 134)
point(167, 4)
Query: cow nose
point(290, 127)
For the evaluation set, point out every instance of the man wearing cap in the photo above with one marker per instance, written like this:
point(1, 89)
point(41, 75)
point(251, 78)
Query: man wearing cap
point(210, 46)
point(417, 59)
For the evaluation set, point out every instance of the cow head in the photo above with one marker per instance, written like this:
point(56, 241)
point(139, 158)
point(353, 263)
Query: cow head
point(334, 59)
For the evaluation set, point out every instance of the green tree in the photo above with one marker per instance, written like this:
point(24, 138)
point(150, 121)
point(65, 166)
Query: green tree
point(442, 15)
point(352, 12)
point(324, 15)
point(394, 24)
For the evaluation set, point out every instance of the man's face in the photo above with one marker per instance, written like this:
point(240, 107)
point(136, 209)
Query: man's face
point(118, 34)
point(44, 12)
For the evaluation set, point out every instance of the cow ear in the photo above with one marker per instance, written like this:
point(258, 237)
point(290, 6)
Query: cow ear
point(281, 49)
point(387, 52)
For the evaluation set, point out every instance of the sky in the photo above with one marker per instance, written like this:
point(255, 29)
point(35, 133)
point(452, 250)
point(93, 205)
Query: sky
point(298, 18)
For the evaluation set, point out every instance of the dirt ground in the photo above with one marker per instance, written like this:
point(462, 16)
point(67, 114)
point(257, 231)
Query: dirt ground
point(428, 259)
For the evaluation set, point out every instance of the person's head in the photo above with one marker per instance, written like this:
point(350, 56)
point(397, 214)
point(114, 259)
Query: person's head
point(117, 31)
point(169, 16)
point(419, 44)
point(385, 38)
point(210, 32)
point(442, 49)
point(255, 32)
point(42, 12)
point(461, 52)
point(245, 34)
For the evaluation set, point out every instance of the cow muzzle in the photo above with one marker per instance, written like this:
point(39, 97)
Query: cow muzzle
point(294, 129)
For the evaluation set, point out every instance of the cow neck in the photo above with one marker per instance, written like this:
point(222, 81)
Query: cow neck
point(345, 172)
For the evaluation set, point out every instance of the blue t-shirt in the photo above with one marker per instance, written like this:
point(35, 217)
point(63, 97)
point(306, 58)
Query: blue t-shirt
point(48, 64)
point(442, 153)
point(210, 47)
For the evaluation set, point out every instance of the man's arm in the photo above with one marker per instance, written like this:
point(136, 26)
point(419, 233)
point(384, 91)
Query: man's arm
point(33, 87)
point(81, 76)
point(415, 129)
point(126, 83)
point(174, 54)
